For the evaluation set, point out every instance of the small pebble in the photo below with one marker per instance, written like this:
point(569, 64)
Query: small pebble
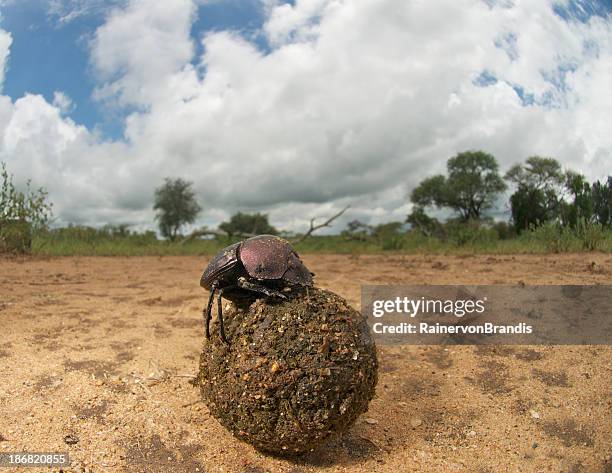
point(534, 414)
point(71, 439)
point(370, 421)
point(415, 422)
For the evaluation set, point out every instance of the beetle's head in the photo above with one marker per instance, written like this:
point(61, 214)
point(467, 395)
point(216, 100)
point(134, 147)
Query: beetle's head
point(222, 264)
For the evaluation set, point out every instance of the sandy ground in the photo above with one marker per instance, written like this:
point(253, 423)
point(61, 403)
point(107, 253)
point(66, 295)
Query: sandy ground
point(101, 349)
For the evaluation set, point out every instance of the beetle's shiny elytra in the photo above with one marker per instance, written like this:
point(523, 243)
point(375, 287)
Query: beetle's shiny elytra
point(263, 264)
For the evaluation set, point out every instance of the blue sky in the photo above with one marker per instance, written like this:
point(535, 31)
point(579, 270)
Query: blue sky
point(49, 55)
point(292, 108)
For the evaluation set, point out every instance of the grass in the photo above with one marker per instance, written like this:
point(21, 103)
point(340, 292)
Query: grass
point(90, 242)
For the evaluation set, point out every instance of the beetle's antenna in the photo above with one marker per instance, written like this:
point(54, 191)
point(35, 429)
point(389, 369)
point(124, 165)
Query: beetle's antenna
point(208, 313)
point(220, 316)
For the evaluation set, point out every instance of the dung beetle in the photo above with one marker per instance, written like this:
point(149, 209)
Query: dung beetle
point(263, 264)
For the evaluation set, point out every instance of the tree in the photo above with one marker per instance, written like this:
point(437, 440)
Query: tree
point(539, 191)
point(389, 235)
point(539, 172)
point(244, 224)
point(385, 230)
point(601, 195)
point(472, 185)
point(21, 213)
point(427, 225)
point(528, 208)
point(176, 205)
point(430, 192)
point(357, 230)
point(581, 207)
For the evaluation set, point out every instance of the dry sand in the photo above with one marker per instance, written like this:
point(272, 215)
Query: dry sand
point(102, 349)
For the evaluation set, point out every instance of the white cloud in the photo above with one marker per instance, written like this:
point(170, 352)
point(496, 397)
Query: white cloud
point(299, 22)
point(62, 101)
point(139, 48)
point(67, 11)
point(356, 102)
point(5, 49)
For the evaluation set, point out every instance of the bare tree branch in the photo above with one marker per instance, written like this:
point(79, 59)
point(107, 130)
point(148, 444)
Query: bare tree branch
point(220, 233)
point(314, 227)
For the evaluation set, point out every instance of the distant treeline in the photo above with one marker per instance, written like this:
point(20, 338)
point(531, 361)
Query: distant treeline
point(458, 238)
point(551, 209)
point(543, 193)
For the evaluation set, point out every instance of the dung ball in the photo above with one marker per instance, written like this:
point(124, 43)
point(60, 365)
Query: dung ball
point(295, 372)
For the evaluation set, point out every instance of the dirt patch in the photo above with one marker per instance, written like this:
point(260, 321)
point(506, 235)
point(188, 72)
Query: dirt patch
point(415, 387)
point(494, 351)
point(551, 378)
point(387, 362)
point(85, 322)
point(86, 337)
point(125, 345)
point(124, 356)
point(96, 368)
point(358, 447)
point(121, 324)
point(153, 456)
point(186, 323)
point(439, 357)
point(93, 410)
point(529, 355)
point(569, 432)
point(45, 335)
point(440, 266)
point(151, 301)
point(522, 406)
point(161, 332)
point(493, 378)
point(45, 381)
point(252, 469)
point(167, 302)
point(449, 425)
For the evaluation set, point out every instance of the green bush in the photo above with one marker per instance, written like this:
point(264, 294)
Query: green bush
point(15, 236)
point(504, 230)
point(554, 237)
point(469, 233)
point(21, 214)
point(389, 236)
point(590, 234)
point(248, 224)
point(392, 242)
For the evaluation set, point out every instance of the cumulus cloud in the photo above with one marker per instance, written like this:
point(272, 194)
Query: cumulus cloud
point(140, 48)
point(298, 22)
point(355, 102)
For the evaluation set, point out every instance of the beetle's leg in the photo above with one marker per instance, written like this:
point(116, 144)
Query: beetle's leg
point(251, 286)
point(208, 313)
point(220, 312)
